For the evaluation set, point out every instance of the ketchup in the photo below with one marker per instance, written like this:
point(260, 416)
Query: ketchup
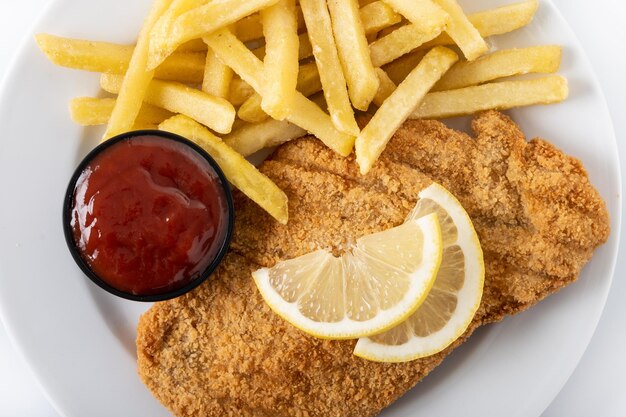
point(149, 215)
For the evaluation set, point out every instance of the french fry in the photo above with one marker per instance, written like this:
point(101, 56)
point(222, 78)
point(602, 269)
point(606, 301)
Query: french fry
point(304, 113)
point(91, 111)
point(241, 173)
point(308, 84)
point(401, 67)
point(497, 96)
point(160, 48)
point(85, 55)
point(214, 112)
point(309, 81)
point(114, 58)
point(217, 76)
point(461, 30)
point(376, 16)
point(194, 45)
point(187, 65)
point(353, 52)
point(398, 107)
point(399, 42)
point(251, 110)
point(280, 28)
point(236, 55)
point(500, 64)
point(145, 126)
point(305, 50)
point(250, 28)
point(426, 15)
point(387, 30)
point(251, 138)
point(240, 91)
point(496, 21)
point(182, 67)
point(310, 117)
point(490, 22)
point(371, 38)
point(386, 88)
point(319, 27)
point(137, 79)
point(200, 21)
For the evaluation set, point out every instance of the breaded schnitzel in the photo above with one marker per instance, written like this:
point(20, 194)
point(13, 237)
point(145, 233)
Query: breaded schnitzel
point(220, 350)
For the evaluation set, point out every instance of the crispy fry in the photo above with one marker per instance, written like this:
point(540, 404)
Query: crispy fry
point(461, 30)
point(496, 21)
point(353, 52)
point(251, 138)
point(217, 76)
point(251, 110)
point(240, 91)
point(309, 81)
point(399, 42)
point(184, 67)
point(280, 27)
point(305, 50)
point(376, 16)
point(398, 107)
point(498, 96)
point(194, 45)
point(214, 112)
point(310, 117)
point(250, 28)
point(387, 30)
point(137, 79)
point(426, 15)
point(319, 27)
point(241, 173)
point(490, 22)
point(203, 20)
point(160, 48)
point(91, 111)
point(85, 55)
point(308, 84)
point(386, 88)
point(304, 113)
point(401, 67)
point(114, 58)
point(500, 64)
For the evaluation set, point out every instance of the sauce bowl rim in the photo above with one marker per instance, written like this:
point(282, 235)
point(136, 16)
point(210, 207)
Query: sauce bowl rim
point(68, 205)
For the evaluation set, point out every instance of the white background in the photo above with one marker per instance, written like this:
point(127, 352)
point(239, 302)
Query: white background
point(597, 387)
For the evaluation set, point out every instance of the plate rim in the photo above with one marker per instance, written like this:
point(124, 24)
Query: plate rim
point(21, 50)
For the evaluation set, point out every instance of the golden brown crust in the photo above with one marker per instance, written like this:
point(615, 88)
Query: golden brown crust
point(221, 351)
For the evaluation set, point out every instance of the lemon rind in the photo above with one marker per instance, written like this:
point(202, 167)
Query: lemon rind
point(419, 347)
point(420, 286)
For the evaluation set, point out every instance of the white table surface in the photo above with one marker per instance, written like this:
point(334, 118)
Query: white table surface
point(597, 387)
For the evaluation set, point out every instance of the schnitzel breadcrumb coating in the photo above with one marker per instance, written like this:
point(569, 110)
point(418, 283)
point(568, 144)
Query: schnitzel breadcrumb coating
point(221, 351)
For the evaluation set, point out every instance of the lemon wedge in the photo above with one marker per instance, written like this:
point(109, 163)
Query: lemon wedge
point(372, 288)
point(455, 295)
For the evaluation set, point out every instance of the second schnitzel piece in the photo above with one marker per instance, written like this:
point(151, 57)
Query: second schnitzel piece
point(220, 350)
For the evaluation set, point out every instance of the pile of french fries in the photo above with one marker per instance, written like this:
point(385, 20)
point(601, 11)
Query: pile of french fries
point(237, 76)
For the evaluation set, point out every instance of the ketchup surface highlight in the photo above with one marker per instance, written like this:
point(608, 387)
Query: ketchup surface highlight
point(149, 215)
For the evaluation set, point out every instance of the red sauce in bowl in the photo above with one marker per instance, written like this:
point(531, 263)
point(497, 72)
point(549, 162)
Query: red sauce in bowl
point(149, 215)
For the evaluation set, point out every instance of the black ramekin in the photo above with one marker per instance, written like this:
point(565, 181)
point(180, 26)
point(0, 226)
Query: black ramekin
point(68, 204)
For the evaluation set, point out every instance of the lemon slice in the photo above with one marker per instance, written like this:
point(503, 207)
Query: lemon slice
point(373, 287)
point(454, 298)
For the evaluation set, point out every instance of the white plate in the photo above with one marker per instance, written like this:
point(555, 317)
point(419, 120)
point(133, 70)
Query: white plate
point(79, 341)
